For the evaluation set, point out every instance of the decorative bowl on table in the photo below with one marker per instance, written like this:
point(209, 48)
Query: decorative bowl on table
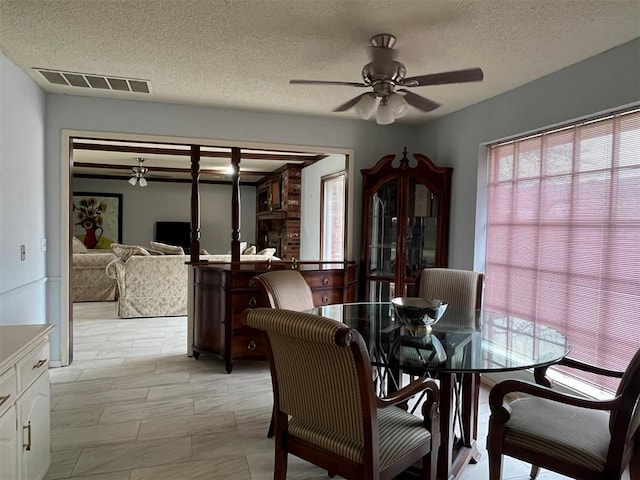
point(417, 311)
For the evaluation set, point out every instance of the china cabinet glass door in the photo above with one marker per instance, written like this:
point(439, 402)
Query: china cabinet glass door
point(405, 224)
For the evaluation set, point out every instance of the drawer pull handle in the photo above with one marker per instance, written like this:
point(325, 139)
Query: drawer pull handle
point(253, 302)
point(325, 281)
point(325, 298)
point(28, 444)
point(39, 364)
point(251, 345)
point(4, 398)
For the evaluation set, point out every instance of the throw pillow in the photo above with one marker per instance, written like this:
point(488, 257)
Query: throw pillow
point(269, 252)
point(243, 247)
point(78, 246)
point(167, 249)
point(126, 251)
point(250, 251)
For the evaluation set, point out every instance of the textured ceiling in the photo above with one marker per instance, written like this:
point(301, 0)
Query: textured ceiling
point(241, 53)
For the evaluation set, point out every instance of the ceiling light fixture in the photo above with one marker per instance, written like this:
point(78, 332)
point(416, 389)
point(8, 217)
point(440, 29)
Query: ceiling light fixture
point(138, 174)
point(387, 108)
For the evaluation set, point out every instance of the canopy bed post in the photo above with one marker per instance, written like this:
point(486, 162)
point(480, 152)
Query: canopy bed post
point(195, 204)
point(235, 205)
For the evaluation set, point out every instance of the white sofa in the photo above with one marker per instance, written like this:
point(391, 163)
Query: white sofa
point(157, 285)
point(89, 282)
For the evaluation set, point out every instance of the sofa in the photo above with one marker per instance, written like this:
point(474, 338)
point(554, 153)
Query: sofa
point(89, 280)
point(157, 285)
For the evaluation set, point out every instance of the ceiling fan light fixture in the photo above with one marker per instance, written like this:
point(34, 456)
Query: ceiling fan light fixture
point(384, 115)
point(138, 174)
point(366, 106)
point(398, 104)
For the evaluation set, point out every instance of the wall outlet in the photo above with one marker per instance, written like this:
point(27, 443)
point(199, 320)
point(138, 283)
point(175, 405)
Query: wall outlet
point(23, 253)
point(43, 244)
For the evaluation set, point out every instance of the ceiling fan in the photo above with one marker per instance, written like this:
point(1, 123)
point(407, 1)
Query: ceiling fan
point(138, 174)
point(387, 79)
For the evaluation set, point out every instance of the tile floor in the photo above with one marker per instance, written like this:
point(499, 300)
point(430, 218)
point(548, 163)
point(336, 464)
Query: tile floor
point(133, 406)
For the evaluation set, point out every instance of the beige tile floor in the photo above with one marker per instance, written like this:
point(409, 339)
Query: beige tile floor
point(133, 406)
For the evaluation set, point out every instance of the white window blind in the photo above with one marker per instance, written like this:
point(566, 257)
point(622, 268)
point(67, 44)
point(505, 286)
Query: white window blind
point(563, 236)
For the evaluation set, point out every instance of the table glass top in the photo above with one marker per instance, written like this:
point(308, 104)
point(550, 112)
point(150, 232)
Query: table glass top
point(462, 341)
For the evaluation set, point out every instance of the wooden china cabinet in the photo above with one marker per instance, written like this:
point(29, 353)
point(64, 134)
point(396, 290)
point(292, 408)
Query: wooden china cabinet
point(405, 224)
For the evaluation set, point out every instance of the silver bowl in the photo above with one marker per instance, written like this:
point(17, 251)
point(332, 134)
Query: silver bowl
point(418, 311)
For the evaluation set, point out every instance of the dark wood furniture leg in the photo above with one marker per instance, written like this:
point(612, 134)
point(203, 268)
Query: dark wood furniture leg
point(455, 455)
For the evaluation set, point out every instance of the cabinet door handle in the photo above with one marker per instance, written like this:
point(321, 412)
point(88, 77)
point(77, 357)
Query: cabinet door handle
point(4, 398)
point(28, 429)
point(253, 302)
point(251, 345)
point(39, 364)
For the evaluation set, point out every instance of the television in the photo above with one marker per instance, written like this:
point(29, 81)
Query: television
point(174, 233)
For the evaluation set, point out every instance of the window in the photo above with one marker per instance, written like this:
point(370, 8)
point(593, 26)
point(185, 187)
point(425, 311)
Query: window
point(563, 236)
point(333, 217)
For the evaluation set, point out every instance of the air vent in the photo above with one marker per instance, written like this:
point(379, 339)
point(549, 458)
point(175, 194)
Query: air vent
point(101, 82)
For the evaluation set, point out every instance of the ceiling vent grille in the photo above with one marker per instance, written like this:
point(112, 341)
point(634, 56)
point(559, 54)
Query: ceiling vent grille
point(101, 82)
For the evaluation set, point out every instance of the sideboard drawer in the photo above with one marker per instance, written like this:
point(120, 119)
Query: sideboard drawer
point(324, 279)
point(327, 297)
point(249, 345)
point(8, 389)
point(33, 365)
point(248, 299)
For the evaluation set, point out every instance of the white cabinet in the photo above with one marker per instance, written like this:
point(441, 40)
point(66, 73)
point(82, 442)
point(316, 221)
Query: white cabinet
point(34, 429)
point(9, 445)
point(25, 402)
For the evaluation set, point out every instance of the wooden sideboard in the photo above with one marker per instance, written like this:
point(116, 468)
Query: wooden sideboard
point(222, 292)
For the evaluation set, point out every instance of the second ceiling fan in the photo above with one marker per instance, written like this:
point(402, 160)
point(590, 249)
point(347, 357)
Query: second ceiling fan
point(386, 77)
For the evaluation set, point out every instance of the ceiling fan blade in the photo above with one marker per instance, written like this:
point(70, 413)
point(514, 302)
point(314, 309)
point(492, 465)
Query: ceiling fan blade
point(324, 82)
point(457, 76)
point(418, 101)
point(352, 102)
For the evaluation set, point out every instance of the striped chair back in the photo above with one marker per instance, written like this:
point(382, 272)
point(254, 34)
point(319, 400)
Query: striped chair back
point(286, 289)
point(459, 288)
point(319, 373)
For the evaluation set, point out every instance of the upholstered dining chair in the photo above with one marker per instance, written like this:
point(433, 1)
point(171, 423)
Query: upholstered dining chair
point(286, 289)
point(326, 410)
point(459, 288)
point(577, 437)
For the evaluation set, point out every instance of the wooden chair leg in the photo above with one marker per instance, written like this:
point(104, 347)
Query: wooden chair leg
point(495, 466)
point(271, 428)
point(535, 469)
point(280, 468)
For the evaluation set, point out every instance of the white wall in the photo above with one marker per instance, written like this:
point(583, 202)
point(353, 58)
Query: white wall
point(603, 82)
point(22, 198)
point(311, 208)
point(163, 201)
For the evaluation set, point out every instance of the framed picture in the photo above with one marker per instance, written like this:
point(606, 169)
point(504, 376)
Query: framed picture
point(97, 219)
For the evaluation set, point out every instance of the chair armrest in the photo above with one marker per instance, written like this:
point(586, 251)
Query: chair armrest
point(415, 387)
point(570, 362)
point(500, 411)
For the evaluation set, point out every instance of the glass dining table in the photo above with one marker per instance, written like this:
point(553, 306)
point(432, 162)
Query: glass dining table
point(462, 345)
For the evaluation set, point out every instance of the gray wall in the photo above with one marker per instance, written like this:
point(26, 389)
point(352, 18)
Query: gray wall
point(162, 201)
point(604, 82)
point(368, 140)
point(22, 198)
